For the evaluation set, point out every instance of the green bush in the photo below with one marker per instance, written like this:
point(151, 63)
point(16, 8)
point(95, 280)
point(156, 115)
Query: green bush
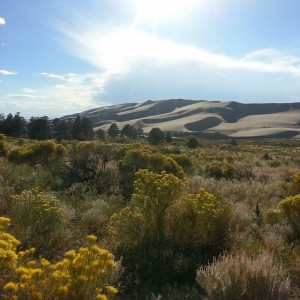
point(3, 145)
point(193, 143)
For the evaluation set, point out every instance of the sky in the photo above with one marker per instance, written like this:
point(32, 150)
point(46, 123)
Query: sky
point(61, 57)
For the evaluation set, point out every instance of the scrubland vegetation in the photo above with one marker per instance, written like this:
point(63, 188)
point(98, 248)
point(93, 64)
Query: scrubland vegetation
point(120, 218)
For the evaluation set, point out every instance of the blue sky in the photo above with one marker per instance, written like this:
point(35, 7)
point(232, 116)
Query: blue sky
point(60, 57)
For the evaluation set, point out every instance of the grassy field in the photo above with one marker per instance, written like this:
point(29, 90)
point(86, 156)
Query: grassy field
point(175, 219)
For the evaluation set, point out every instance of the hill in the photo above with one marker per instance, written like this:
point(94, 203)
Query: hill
point(232, 118)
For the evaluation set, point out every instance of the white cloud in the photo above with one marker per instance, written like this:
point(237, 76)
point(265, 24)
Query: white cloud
point(25, 96)
point(5, 72)
point(54, 76)
point(75, 93)
point(2, 21)
point(119, 50)
point(5, 45)
point(29, 90)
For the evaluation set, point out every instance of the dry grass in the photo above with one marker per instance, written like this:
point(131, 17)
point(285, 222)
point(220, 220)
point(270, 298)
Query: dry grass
point(239, 277)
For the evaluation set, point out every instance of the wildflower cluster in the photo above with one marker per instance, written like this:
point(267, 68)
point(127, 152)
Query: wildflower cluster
point(82, 274)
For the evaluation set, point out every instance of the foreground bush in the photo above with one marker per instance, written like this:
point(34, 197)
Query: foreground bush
point(239, 277)
point(164, 232)
point(36, 220)
point(83, 274)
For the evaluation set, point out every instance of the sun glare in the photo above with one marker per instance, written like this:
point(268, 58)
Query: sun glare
point(156, 9)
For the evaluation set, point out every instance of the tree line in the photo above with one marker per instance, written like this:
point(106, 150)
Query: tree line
point(79, 128)
point(42, 128)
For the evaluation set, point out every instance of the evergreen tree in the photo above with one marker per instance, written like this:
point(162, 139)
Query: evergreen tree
point(156, 136)
point(2, 118)
point(18, 126)
point(8, 125)
point(39, 128)
point(169, 137)
point(76, 129)
point(129, 131)
point(87, 131)
point(63, 131)
point(100, 133)
point(193, 143)
point(113, 130)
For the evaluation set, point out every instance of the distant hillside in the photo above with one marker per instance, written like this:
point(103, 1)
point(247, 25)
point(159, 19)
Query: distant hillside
point(231, 118)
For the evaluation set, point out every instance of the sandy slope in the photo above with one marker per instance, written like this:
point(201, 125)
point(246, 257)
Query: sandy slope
point(232, 118)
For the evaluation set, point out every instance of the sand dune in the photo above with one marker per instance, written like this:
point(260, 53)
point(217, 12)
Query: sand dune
point(231, 118)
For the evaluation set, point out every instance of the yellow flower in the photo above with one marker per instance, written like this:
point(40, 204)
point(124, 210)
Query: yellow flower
point(22, 270)
point(91, 238)
point(63, 290)
point(111, 291)
point(70, 254)
point(82, 278)
point(4, 222)
point(32, 263)
point(11, 286)
point(101, 297)
point(44, 262)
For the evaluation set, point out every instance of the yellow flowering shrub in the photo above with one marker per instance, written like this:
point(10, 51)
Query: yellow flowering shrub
point(198, 220)
point(142, 158)
point(291, 208)
point(144, 216)
point(36, 217)
point(40, 152)
point(8, 244)
point(83, 274)
point(162, 224)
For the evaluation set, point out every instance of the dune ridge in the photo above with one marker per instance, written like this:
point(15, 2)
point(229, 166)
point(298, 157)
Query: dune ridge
point(254, 120)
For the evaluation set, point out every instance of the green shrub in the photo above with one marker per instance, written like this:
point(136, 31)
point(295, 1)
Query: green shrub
point(3, 145)
point(193, 143)
point(239, 277)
